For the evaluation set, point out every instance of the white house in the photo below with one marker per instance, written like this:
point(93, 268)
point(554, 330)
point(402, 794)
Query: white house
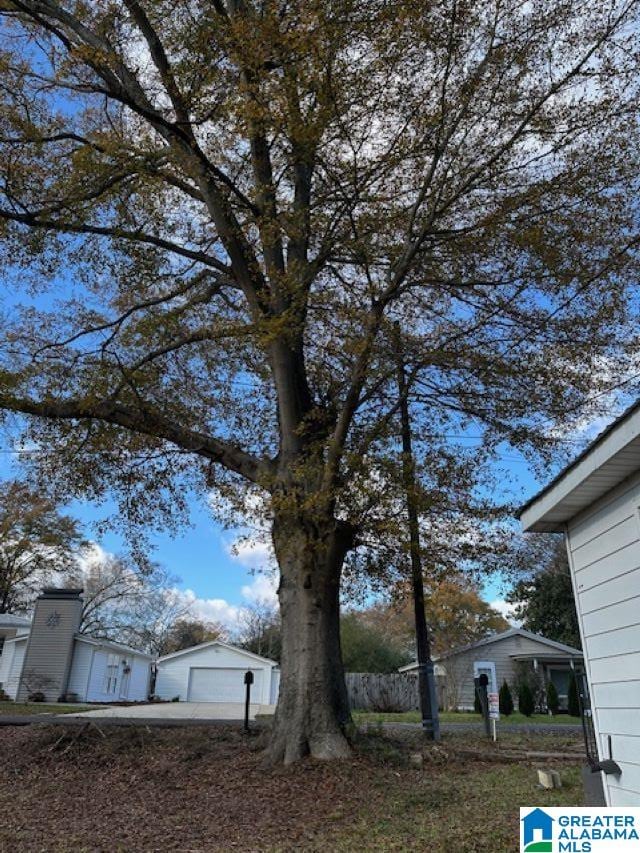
point(49, 656)
point(595, 501)
point(214, 672)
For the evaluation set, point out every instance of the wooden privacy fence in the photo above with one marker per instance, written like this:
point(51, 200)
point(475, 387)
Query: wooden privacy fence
point(385, 692)
point(373, 691)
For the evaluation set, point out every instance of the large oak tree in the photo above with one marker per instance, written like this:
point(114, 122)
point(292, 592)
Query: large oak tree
point(214, 209)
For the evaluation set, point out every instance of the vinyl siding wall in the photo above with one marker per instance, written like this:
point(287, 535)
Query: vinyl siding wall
point(138, 685)
point(14, 668)
point(139, 680)
point(50, 647)
point(80, 669)
point(604, 551)
point(6, 655)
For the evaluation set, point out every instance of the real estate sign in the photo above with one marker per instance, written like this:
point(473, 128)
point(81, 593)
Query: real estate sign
point(494, 706)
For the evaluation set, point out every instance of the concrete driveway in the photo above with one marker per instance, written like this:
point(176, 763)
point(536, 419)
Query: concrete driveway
point(178, 711)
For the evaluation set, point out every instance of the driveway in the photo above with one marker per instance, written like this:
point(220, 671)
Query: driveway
point(177, 711)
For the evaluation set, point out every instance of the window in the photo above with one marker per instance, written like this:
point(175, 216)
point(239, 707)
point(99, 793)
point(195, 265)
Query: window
point(1, 645)
point(111, 674)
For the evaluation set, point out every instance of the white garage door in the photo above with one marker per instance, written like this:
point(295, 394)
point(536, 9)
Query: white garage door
point(207, 684)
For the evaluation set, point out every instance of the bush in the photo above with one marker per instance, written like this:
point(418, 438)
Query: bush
point(505, 699)
point(38, 696)
point(553, 702)
point(573, 705)
point(477, 707)
point(526, 703)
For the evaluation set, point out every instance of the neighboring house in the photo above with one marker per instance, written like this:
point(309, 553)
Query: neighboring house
point(10, 627)
point(214, 672)
point(502, 657)
point(595, 501)
point(49, 656)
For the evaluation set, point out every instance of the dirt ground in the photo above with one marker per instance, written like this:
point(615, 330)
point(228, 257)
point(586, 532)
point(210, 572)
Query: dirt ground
point(141, 790)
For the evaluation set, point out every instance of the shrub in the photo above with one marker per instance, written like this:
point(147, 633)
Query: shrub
point(505, 699)
point(553, 702)
point(573, 705)
point(38, 696)
point(477, 707)
point(526, 703)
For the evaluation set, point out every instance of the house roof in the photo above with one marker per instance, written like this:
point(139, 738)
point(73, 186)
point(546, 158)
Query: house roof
point(612, 457)
point(217, 643)
point(82, 638)
point(108, 644)
point(566, 651)
point(10, 620)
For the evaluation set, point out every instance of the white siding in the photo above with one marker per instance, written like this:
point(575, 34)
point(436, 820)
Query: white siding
point(139, 680)
point(95, 688)
point(15, 669)
point(172, 679)
point(174, 673)
point(5, 661)
point(80, 669)
point(275, 686)
point(604, 550)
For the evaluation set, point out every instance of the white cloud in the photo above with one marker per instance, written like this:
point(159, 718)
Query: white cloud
point(93, 553)
point(507, 610)
point(251, 553)
point(209, 609)
point(261, 590)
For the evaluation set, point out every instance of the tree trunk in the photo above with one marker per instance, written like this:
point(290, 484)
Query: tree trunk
point(313, 708)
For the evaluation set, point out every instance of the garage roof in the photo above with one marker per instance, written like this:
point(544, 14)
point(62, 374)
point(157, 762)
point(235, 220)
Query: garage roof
point(611, 458)
point(224, 646)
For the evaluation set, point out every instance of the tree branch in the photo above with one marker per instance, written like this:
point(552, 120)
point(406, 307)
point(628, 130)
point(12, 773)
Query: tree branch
point(150, 423)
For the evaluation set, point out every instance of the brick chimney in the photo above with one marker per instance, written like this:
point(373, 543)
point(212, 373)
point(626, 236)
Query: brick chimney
point(49, 652)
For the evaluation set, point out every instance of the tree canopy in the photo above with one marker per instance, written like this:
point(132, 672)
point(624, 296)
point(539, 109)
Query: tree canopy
point(190, 631)
point(38, 544)
point(211, 214)
point(365, 649)
point(128, 603)
point(456, 615)
point(543, 597)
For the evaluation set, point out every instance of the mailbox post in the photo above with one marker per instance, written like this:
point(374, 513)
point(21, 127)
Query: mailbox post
point(248, 680)
point(481, 684)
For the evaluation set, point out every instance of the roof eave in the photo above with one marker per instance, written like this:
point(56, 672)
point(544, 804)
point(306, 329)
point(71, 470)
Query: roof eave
point(611, 458)
point(217, 643)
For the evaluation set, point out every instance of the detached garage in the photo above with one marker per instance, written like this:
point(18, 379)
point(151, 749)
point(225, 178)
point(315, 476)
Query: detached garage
point(214, 672)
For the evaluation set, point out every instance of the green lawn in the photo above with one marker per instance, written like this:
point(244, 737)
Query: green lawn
point(21, 709)
point(456, 809)
point(461, 717)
